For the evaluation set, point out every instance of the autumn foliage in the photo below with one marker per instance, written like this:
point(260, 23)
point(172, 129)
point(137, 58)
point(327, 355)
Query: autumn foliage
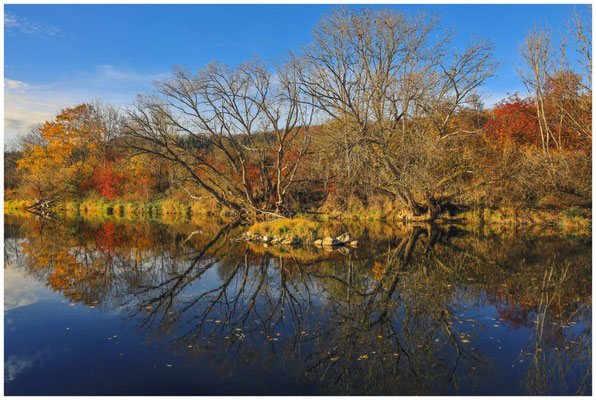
point(513, 121)
point(261, 142)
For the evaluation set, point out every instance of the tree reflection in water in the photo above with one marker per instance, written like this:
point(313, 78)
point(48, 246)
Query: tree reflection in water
point(389, 318)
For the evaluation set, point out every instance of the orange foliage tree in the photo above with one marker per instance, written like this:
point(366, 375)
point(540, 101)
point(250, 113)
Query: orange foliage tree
point(60, 162)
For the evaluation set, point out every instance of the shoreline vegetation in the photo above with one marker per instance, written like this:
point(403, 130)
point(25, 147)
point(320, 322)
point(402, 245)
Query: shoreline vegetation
point(312, 223)
point(380, 117)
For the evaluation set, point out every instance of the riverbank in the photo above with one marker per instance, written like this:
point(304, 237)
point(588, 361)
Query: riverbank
point(571, 220)
point(126, 209)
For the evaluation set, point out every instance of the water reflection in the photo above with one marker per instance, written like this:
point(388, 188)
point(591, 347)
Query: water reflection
point(415, 310)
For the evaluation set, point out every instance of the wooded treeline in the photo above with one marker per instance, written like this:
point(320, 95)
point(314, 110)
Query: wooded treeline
point(380, 111)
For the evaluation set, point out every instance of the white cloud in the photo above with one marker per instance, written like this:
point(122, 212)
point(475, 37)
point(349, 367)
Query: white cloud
point(27, 104)
point(15, 85)
point(22, 290)
point(27, 26)
point(14, 365)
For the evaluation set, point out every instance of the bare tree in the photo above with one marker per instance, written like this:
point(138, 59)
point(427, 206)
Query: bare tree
point(538, 56)
point(239, 134)
point(394, 85)
point(575, 104)
point(105, 127)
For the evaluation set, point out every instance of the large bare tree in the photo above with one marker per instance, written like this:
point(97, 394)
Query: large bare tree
point(239, 134)
point(394, 83)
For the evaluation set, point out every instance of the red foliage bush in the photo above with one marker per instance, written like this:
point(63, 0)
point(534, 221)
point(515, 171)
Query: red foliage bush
point(107, 181)
point(514, 121)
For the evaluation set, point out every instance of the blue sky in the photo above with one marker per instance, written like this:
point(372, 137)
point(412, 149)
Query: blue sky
point(60, 55)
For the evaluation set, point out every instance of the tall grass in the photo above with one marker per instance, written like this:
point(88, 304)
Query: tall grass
point(301, 227)
point(10, 205)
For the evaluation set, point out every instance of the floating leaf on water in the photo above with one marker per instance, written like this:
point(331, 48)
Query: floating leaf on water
point(149, 307)
point(380, 336)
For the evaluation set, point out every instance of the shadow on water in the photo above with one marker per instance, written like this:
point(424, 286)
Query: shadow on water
point(421, 309)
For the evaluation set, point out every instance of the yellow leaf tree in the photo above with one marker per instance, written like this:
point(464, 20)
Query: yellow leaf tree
point(65, 156)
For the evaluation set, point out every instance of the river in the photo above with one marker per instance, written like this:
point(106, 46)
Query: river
point(120, 307)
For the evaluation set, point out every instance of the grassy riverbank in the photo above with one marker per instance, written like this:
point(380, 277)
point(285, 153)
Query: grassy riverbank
point(574, 220)
point(97, 207)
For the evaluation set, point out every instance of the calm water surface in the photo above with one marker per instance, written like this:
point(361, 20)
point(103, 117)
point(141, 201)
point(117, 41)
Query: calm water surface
point(136, 307)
